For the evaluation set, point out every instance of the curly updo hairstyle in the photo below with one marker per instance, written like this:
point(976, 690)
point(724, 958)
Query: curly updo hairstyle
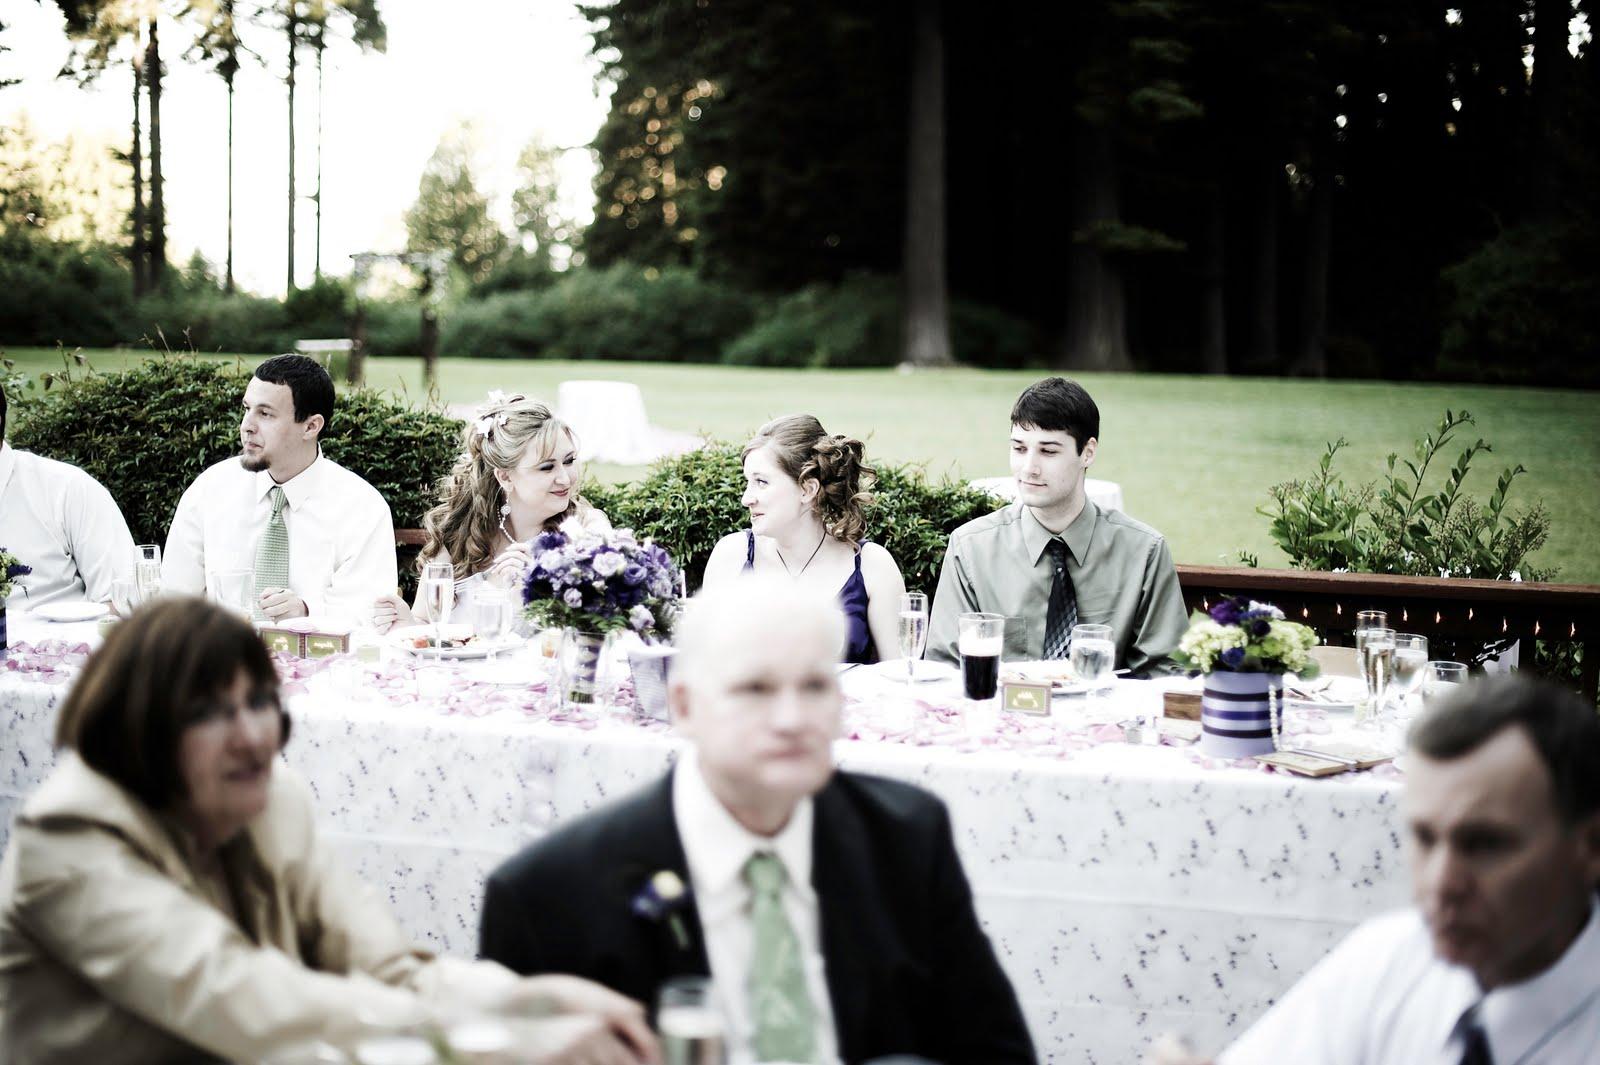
point(807, 452)
point(498, 437)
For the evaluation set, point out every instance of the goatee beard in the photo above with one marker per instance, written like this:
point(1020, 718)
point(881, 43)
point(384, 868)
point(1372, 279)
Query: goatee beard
point(254, 465)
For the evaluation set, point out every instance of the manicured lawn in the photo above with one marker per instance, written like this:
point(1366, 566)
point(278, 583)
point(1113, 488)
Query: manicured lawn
point(1194, 455)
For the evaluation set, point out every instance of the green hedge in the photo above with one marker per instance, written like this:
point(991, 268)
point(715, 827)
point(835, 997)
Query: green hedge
point(687, 504)
point(858, 323)
point(622, 312)
point(146, 433)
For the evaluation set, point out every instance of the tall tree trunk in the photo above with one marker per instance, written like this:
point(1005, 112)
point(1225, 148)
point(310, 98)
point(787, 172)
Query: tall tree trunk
point(139, 254)
point(1096, 336)
point(227, 283)
point(1263, 325)
point(1552, 80)
point(1213, 284)
point(158, 213)
point(927, 306)
point(317, 258)
point(294, 41)
point(1311, 358)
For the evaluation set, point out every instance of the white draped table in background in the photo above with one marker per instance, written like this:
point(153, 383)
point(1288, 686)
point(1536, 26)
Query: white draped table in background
point(1128, 890)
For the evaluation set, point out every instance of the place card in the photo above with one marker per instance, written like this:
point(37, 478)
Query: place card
point(281, 641)
point(1023, 697)
point(1185, 706)
point(1325, 760)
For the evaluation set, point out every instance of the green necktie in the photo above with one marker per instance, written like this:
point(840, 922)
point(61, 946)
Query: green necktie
point(272, 553)
point(785, 1024)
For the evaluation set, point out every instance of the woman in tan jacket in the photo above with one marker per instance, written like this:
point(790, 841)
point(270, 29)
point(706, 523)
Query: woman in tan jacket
point(165, 895)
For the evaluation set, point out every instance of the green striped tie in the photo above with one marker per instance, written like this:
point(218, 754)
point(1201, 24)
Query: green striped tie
point(272, 553)
point(785, 1024)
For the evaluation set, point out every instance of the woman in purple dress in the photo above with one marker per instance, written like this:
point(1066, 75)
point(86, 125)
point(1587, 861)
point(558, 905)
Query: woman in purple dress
point(805, 490)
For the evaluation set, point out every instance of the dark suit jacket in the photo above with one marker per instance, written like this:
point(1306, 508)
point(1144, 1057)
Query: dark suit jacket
point(909, 969)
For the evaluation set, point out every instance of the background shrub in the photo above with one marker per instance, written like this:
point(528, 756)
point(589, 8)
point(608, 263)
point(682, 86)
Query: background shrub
point(51, 291)
point(858, 323)
point(147, 432)
point(623, 312)
point(689, 503)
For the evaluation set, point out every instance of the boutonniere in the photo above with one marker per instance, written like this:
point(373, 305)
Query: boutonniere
point(663, 898)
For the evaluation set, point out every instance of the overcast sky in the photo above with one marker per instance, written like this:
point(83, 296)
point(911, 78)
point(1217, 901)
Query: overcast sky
point(515, 68)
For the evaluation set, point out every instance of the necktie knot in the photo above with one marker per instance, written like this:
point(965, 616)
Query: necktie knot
point(1058, 551)
point(278, 500)
point(765, 874)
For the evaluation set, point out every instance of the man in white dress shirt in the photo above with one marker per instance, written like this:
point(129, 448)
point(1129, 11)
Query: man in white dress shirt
point(282, 497)
point(62, 522)
point(1499, 961)
point(829, 908)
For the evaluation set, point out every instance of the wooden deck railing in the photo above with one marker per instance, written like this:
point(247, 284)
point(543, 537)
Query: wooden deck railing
point(1461, 609)
point(1449, 608)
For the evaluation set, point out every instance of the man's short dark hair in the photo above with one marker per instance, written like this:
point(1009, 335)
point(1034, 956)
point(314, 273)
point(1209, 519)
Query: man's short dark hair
point(1057, 405)
point(157, 673)
point(1564, 729)
point(308, 382)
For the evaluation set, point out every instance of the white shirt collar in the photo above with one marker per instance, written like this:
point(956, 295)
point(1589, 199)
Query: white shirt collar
point(296, 489)
point(1518, 1017)
point(8, 462)
point(717, 846)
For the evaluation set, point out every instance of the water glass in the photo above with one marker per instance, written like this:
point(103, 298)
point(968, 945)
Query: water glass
point(232, 589)
point(690, 1022)
point(1093, 656)
point(979, 638)
point(1375, 653)
point(124, 595)
point(1441, 678)
point(1371, 619)
point(491, 613)
point(913, 630)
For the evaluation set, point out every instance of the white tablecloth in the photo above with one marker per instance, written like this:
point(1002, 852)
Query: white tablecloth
point(1128, 890)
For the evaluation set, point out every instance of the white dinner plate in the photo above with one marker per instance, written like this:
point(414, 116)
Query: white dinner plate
point(1057, 673)
point(1338, 694)
point(65, 612)
point(405, 640)
point(895, 670)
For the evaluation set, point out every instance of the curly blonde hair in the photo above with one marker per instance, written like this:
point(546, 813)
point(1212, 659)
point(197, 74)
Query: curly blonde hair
point(463, 525)
point(807, 452)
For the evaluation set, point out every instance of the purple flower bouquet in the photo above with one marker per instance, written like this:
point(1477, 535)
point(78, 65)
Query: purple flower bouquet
point(604, 581)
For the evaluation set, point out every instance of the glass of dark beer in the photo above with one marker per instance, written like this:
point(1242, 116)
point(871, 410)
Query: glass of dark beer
point(980, 638)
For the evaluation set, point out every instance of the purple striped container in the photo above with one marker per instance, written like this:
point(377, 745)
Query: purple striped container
point(1235, 719)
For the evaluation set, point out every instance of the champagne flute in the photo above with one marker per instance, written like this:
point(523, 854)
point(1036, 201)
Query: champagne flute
point(437, 590)
point(913, 631)
point(1375, 651)
point(1410, 664)
point(147, 570)
point(1093, 657)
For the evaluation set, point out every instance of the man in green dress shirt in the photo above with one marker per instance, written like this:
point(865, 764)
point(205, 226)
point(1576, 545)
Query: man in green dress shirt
point(1117, 571)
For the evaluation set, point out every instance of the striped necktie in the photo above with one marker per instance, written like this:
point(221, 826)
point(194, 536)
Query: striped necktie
point(1063, 612)
point(272, 553)
point(784, 1020)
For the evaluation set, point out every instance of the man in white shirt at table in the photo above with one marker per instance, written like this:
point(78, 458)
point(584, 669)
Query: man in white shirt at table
point(1498, 963)
point(317, 538)
point(62, 522)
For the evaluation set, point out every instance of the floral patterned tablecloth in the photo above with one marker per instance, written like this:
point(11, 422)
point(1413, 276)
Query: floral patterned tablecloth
point(1129, 890)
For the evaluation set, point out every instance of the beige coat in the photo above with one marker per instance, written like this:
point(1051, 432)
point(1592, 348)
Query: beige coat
point(111, 950)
